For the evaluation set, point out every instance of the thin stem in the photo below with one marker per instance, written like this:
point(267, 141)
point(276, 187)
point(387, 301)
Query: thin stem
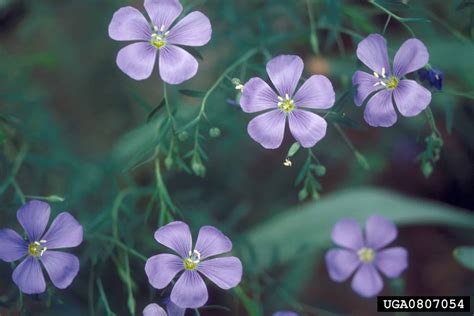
point(393, 15)
point(18, 191)
point(312, 28)
point(389, 17)
point(432, 122)
point(104, 297)
point(168, 109)
point(119, 244)
point(16, 167)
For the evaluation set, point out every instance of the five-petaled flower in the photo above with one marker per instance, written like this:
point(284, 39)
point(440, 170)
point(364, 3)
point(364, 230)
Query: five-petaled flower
point(158, 37)
point(171, 310)
point(190, 290)
point(268, 128)
point(64, 232)
point(365, 254)
point(384, 85)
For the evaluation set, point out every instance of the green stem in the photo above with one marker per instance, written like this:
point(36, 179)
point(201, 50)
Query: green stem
point(119, 244)
point(168, 109)
point(432, 122)
point(104, 298)
point(16, 167)
point(393, 15)
point(389, 17)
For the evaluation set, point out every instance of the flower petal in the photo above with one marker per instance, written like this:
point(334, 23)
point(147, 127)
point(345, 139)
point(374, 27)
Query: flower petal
point(392, 261)
point(308, 128)
point(174, 310)
point(29, 277)
point(137, 60)
point(176, 64)
point(154, 310)
point(347, 233)
point(341, 263)
point(379, 232)
point(411, 98)
point(211, 242)
point(225, 272)
point(189, 291)
point(367, 282)
point(258, 96)
point(128, 24)
point(162, 268)
point(34, 216)
point(411, 56)
point(268, 129)
point(163, 12)
point(372, 51)
point(366, 84)
point(64, 232)
point(380, 111)
point(316, 93)
point(193, 30)
point(285, 313)
point(62, 267)
point(285, 72)
point(12, 246)
point(177, 236)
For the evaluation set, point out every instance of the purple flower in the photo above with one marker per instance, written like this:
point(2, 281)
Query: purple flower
point(190, 291)
point(268, 128)
point(432, 76)
point(156, 310)
point(64, 232)
point(365, 254)
point(285, 313)
point(410, 97)
point(158, 37)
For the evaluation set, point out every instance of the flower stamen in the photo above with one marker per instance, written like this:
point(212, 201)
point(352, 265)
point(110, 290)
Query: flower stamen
point(35, 248)
point(192, 261)
point(366, 255)
point(286, 104)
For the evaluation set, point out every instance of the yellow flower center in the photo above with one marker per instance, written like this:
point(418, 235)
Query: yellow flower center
point(392, 82)
point(35, 249)
point(366, 255)
point(388, 82)
point(158, 40)
point(286, 104)
point(192, 262)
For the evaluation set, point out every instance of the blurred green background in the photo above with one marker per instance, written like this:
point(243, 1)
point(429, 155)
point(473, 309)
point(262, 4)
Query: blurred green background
point(73, 125)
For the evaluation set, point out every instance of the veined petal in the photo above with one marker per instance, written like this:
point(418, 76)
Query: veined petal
point(12, 246)
point(392, 261)
point(162, 268)
point(128, 24)
point(193, 30)
point(341, 263)
point(62, 267)
point(347, 233)
point(163, 12)
point(268, 129)
point(372, 51)
point(211, 242)
point(380, 111)
point(411, 98)
point(29, 277)
point(308, 128)
point(379, 232)
point(176, 64)
point(225, 272)
point(34, 217)
point(367, 282)
point(258, 96)
point(285, 72)
point(411, 56)
point(285, 313)
point(64, 232)
point(316, 93)
point(366, 84)
point(174, 310)
point(176, 236)
point(189, 291)
point(154, 310)
point(137, 60)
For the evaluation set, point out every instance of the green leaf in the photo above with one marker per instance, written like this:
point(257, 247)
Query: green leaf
point(193, 93)
point(465, 256)
point(293, 149)
point(155, 110)
point(306, 229)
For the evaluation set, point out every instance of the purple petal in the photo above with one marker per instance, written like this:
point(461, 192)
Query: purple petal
point(137, 60)
point(62, 267)
point(225, 272)
point(12, 246)
point(367, 281)
point(285, 72)
point(347, 233)
point(380, 111)
point(176, 236)
point(379, 232)
point(285, 313)
point(307, 127)
point(174, 310)
point(189, 291)
point(34, 216)
point(211, 242)
point(341, 263)
point(163, 12)
point(258, 96)
point(64, 232)
point(162, 268)
point(268, 129)
point(176, 64)
point(128, 24)
point(193, 30)
point(154, 310)
point(411, 56)
point(316, 93)
point(29, 277)
point(372, 51)
point(366, 84)
point(392, 261)
point(411, 98)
